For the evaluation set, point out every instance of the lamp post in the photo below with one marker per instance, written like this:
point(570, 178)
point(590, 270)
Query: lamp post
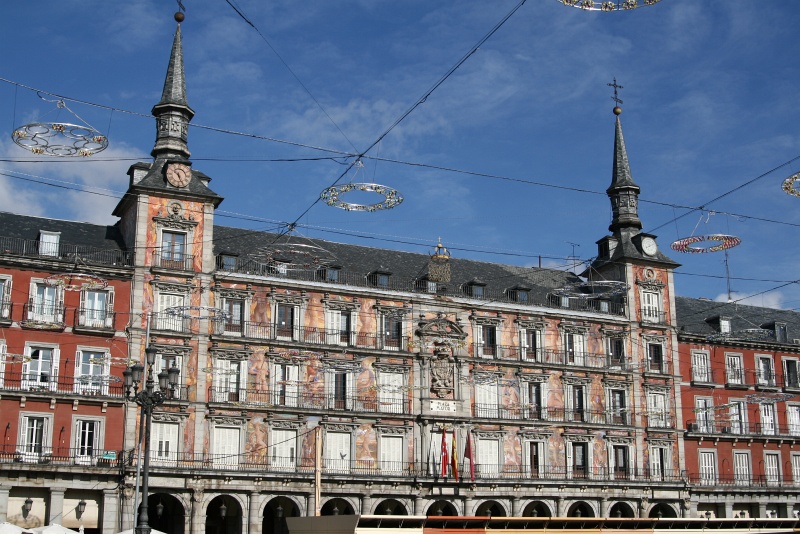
point(148, 397)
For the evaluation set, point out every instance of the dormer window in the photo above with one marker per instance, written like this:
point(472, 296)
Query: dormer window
point(724, 325)
point(779, 331)
point(329, 274)
point(48, 243)
point(227, 262)
point(518, 294)
point(475, 289)
point(379, 278)
point(428, 286)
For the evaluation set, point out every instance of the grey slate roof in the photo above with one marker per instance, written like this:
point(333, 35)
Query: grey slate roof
point(697, 316)
point(156, 179)
point(74, 233)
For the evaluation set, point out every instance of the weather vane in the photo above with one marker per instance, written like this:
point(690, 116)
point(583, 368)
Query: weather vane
point(616, 86)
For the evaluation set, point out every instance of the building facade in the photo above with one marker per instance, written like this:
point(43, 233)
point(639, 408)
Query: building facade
point(318, 376)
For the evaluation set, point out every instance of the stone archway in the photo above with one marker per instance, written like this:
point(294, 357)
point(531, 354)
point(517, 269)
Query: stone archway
point(443, 508)
point(337, 506)
point(166, 513)
point(491, 508)
point(621, 509)
point(275, 513)
point(580, 509)
point(390, 507)
point(224, 516)
point(662, 510)
point(537, 509)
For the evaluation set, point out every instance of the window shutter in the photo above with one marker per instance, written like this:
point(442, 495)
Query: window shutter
point(488, 454)
point(612, 460)
point(226, 446)
point(243, 372)
point(741, 468)
point(110, 310)
point(351, 390)
point(54, 368)
point(77, 382)
point(655, 463)
point(32, 301)
point(569, 459)
point(334, 322)
point(796, 469)
point(353, 328)
point(478, 341)
point(5, 305)
point(391, 453)
point(2, 363)
point(284, 447)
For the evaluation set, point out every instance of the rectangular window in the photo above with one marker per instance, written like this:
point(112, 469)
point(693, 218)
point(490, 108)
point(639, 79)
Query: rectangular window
point(341, 385)
point(391, 454)
point(339, 330)
point(651, 307)
point(227, 447)
point(768, 419)
point(173, 250)
point(620, 457)
point(170, 316)
point(91, 372)
point(708, 468)
point(337, 452)
point(283, 449)
point(660, 463)
point(575, 348)
point(701, 367)
point(655, 358)
point(487, 399)
point(285, 321)
point(391, 393)
point(35, 442)
point(580, 460)
point(5, 299)
point(87, 435)
point(286, 384)
point(741, 469)
point(230, 381)
point(165, 362)
point(535, 399)
point(488, 457)
point(704, 411)
point(95, 310)
point(392, 332)
point(576, 403)
point(772, 468)
point(734, 369)
point(793, 419)
point(790, 374)
point(45, 304)
point(234, 319)
point(738, 414)
point(657, 415)
point(619, 408)
point(489, 340)
point(616, 351)
point(535, 457)
point(39, 368)
point(48, 243)
point(532, 344)
point(766, 371)
point(796, 469)
point(164, 444)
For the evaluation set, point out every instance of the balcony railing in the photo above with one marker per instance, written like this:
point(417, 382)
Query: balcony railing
point(92, 319)
point(43, 316)
point(744, 480)
point(374, 402)
point(171, 322)
point(550, 356)
point(6, 310)
point(250, 267)
point(561, 415)
point(654, 316)
point(173, 262)
point(14, 380)
point(61, 456)
point(66, 252)
point(738, 428)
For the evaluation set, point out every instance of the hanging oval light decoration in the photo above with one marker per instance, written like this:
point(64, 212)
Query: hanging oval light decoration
point(623, 5)
point(725, 242)
point(61, 139)
point(788, 185)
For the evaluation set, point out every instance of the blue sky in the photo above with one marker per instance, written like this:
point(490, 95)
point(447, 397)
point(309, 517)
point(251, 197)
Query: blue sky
point(710, 107)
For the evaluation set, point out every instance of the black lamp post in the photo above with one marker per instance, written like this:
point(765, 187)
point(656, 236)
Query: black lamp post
point(148, 397)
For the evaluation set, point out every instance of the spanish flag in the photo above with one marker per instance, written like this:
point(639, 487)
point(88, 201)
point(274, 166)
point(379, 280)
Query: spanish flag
point(454, 457)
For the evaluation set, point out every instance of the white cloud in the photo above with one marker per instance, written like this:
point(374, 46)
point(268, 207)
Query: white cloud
point(773, 299)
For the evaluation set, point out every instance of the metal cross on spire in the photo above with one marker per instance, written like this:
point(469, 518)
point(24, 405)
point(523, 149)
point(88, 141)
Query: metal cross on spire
point(616, 86)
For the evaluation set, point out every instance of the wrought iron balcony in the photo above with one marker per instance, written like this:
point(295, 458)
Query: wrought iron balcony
point(289, 398)
point(43, 316)
point(60, 456)
point(12, 380)
point(173, 261)
point(92, 319)
point(739, 428)
point(6, 310)
point(654, 316)
point(28, 248)
point(740, 480)
point(531, 412)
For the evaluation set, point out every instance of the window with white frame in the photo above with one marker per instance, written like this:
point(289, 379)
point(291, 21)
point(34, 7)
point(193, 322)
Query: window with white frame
point(575, 402)
point(790, 373)
point(535, 455)
point(40, 367)
point(651, 307)
point(390, 448)
point(283, 448)
point(174, 251)
point(768, 424)
point(49, 243)
point(169, 315)
point(619, 463)
point(390, 331)
point(287, 317)
point(618, 407)
point(285, 384)
point(708, 467)
point(486, 341)
point(738, 416)
point(657, 411)
point(92, 370)
point(87, 440)
point(3, 352)
point(742, 475)
point(340, 387)
point(340, 326)
point(391, 391)
point(488, 457)
point(534, 398)
point(796, 469)
point(579, 459)
point(724, 325)
point(574, 347)
point(772, 468)
point(227, 446)
point(655, 356)
point(36, 437)
point(164, 443)
point(230, 380)
point(235, 315)
point(734, 369)
point(5, 298)
point(616, 351)
point(660, 457)
point(704, 410)
point(531, 340)
point(793, 418)
point(487, 396)
point(765, 369)
point(436, 456)
point(45, 303)
point(337, 451)
point(96, 310)
point(701, 367)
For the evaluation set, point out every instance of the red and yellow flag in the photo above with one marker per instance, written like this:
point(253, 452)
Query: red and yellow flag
point(454, 458)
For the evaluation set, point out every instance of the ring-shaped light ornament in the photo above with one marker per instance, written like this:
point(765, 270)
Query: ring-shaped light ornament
point(594, 289)
point(391, 197)
point(765, 397)
point(788, 185)
point(60, 139)
point(76, 281)
point(725, 242)
point(623, 5)
point(298, 256)
point(188, 312)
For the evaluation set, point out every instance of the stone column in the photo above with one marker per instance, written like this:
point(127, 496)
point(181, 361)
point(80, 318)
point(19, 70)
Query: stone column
point(762, 510)
point(56, 507)
point(109, 521)
point(4, 491)
point(603, 507)
point(468, 504)
point(419, 505)
point(515, 512)
point(559, 506)
point(311, 506)
point(197, 525)
point(728, 508)
point(366, 504)
point(253, 517)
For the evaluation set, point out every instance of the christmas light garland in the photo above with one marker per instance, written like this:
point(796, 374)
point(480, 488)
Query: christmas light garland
point(725, 242)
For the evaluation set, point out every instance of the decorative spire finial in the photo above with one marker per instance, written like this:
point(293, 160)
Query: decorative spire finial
point(615, 98)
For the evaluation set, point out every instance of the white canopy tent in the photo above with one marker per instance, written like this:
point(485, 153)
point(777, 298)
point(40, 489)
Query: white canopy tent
point(10, 528)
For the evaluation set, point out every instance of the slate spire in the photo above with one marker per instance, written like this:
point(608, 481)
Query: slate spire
point(623, 191)
point(173, 113)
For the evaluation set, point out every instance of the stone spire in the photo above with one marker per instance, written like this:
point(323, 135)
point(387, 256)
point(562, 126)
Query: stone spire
point(623, 191)
point(173, 113)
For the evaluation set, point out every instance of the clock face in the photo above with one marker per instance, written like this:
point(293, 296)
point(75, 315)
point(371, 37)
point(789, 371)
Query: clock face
point(178, 174)
point(649, 246)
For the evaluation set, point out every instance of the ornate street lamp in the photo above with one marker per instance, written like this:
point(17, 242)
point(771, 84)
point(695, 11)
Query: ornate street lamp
point(80, 508)
point(148, 397)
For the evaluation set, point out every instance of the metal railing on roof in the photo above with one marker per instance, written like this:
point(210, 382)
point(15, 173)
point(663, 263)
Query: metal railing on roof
point(13, 246)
